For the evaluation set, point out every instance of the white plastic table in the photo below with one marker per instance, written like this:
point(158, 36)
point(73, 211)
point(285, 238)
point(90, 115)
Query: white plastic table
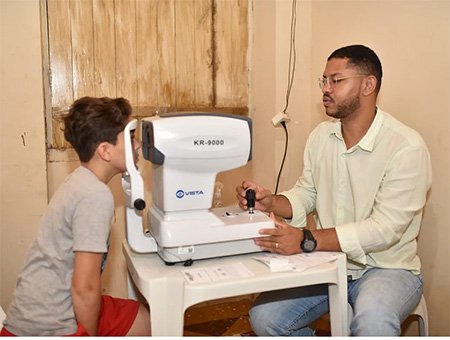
point(169, 294)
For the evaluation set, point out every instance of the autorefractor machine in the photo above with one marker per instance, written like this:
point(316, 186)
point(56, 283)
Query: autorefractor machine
point(186, 151)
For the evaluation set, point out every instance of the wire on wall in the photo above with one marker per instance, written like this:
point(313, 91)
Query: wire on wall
point(292, 54)
point(291, 72)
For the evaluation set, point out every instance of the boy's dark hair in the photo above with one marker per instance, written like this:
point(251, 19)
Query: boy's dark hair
point(92, 121)
point(363, 58)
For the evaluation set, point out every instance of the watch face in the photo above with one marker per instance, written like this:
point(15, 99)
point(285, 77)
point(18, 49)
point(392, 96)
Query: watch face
point(308, 245)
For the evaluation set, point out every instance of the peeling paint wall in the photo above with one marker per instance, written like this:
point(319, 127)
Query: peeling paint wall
point(162, 55)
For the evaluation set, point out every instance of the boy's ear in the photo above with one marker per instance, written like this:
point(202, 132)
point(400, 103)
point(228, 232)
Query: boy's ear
point(104, 151)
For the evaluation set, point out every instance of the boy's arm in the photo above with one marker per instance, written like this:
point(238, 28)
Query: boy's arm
point(86, 289)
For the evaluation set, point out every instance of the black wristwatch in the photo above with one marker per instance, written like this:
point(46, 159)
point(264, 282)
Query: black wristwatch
point(308, 243)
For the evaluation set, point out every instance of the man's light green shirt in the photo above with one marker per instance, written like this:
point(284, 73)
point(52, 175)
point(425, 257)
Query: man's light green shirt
point(372, 193)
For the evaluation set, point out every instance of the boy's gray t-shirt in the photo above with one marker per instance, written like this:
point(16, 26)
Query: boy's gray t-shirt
point(78, 218)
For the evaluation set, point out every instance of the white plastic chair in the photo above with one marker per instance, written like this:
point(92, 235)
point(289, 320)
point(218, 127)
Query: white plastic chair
point(422, 313)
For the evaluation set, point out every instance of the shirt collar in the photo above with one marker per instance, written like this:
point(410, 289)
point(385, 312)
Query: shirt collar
point(366, 143)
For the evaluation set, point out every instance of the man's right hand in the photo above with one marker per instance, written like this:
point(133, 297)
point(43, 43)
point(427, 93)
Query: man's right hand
point(263, 196)
point(264, 200)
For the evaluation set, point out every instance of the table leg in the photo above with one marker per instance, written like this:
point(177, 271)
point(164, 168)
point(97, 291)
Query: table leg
point(166, 301)
point(338, 300)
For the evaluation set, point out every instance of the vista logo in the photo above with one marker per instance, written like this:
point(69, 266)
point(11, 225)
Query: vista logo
point(181, 193)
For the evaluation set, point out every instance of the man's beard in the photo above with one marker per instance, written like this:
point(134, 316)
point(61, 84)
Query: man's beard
point(346, 108)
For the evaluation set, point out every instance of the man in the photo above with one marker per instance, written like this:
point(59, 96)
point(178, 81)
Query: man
point(366, 176)
point(59, 289)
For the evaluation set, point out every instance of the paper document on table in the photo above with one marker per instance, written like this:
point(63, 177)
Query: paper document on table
point(220, 273)
point(298, 262)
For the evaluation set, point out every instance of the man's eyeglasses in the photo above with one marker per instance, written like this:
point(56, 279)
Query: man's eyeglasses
point(334, 80)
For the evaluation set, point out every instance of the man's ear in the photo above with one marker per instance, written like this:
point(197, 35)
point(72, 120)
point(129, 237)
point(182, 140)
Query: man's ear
point(104, 151)
point(369, 85)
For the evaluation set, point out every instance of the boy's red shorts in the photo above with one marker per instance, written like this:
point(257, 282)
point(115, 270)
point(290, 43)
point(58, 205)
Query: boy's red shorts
point(116, 318)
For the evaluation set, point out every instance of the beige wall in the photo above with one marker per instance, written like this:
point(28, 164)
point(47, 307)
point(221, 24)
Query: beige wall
point(23, 193)
point(411, 37)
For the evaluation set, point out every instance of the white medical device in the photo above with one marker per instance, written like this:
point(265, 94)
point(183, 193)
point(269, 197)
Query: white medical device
point(187, 151)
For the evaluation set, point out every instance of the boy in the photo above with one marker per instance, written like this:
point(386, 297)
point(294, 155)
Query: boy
point(59, 289)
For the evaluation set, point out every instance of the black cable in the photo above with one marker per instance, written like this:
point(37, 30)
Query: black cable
point(284, 156)
point(291, 72)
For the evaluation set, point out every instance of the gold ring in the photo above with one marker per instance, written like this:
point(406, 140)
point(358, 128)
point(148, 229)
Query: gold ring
point(276, 245)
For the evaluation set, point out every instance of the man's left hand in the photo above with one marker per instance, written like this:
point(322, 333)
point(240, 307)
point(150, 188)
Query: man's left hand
point(283, 239)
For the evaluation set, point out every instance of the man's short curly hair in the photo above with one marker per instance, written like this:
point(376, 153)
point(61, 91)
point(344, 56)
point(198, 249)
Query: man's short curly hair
point(363, 58)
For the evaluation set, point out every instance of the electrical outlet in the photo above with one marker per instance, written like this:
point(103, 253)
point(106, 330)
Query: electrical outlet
point(279, 118)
